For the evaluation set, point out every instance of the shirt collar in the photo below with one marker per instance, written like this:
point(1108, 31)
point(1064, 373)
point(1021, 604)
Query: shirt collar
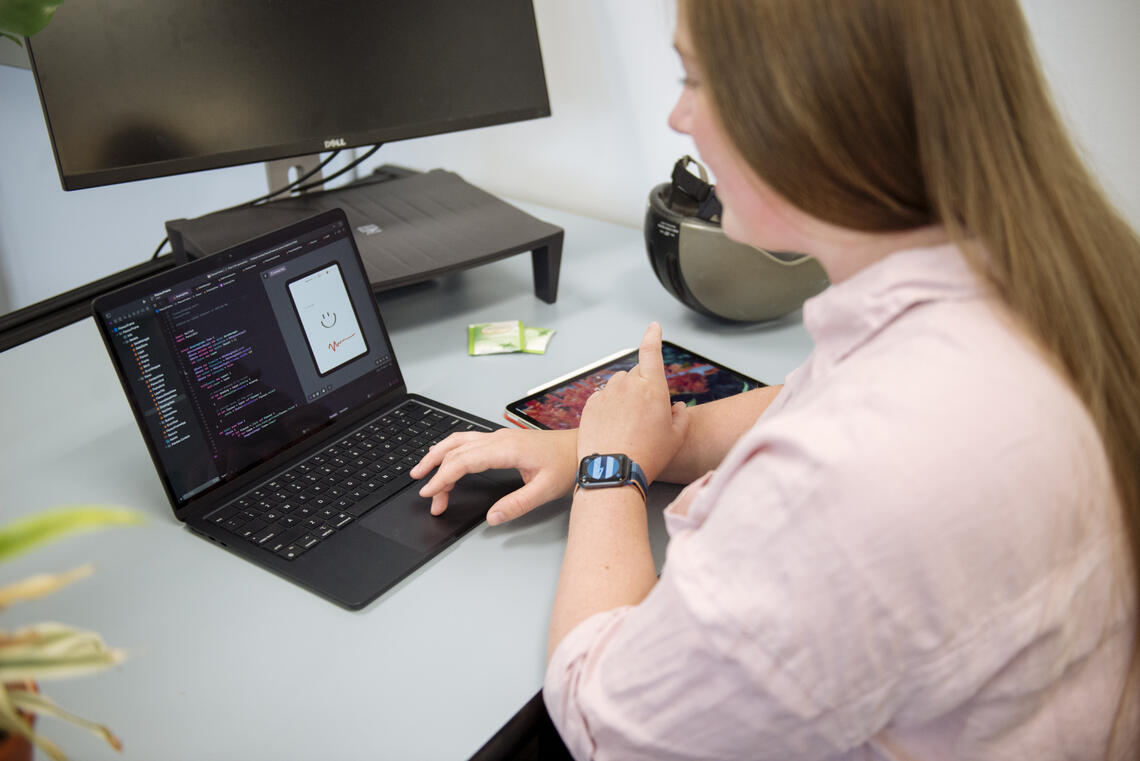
point(849, 313)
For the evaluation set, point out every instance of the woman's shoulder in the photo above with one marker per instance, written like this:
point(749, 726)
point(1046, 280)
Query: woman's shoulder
point(944, 382)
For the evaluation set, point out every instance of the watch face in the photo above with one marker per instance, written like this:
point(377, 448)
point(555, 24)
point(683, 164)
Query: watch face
point(603, 470)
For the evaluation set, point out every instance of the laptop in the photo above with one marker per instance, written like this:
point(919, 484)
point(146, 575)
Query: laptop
point(266, 389)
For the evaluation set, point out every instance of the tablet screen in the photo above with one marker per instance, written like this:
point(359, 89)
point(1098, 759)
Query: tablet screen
point(692, 379)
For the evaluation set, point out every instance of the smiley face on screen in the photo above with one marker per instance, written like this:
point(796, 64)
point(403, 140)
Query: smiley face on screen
point(328, 319)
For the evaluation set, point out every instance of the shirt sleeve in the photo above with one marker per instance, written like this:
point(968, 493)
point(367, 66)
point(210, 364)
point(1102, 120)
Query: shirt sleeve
point(664, 680)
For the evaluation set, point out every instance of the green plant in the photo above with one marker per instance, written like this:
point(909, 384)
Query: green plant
point(49, 650)
point(23, 18)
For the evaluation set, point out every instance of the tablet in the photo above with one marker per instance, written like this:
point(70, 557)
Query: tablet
point(692, 379)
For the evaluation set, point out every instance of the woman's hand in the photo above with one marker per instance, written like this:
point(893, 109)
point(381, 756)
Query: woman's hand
point(631, 415)
point(544, 459)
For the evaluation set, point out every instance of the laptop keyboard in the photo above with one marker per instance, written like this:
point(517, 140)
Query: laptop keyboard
point(314, 499)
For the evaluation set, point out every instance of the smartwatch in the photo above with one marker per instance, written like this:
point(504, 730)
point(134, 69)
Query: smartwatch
point(599, 471)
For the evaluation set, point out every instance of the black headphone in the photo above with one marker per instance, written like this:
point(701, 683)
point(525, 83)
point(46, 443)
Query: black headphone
point(706, 271)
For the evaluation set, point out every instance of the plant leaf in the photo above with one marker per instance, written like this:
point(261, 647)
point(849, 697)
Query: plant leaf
point(33, 702)
point(53, 651)
point(10, 721)
point(23, 18)
point(41, 585)
point(20, 536)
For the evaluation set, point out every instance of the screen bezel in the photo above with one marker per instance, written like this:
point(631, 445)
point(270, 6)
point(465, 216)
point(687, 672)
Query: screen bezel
point(514, 410)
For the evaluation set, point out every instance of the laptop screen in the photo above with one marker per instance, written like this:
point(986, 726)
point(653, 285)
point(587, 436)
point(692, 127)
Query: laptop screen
point(232, 359)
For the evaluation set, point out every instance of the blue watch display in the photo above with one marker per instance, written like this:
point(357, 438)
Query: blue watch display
point(599, 471)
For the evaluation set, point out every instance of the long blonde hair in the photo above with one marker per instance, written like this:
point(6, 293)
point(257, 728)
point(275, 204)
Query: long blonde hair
point(883, 115)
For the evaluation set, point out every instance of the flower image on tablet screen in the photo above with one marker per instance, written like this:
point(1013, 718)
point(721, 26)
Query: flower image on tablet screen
point(692, 379)
point(327, 317)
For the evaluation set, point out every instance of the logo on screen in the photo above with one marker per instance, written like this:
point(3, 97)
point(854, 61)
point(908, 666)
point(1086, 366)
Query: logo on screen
point(334, 345)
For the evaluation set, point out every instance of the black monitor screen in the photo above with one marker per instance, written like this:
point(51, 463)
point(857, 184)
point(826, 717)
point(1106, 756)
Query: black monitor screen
point(134, 89)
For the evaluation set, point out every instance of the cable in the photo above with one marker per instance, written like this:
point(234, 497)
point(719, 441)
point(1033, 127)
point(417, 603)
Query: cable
point(347, 167)
point(291, 187)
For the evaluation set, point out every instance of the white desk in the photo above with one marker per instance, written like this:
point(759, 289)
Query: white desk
point(228, 661)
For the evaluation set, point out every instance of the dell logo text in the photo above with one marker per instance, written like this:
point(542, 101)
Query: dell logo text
point(336, 142)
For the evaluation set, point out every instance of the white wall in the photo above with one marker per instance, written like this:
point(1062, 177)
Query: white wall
point(612, 79)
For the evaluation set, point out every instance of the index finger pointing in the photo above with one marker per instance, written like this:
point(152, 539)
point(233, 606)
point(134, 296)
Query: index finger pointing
point(649, 361)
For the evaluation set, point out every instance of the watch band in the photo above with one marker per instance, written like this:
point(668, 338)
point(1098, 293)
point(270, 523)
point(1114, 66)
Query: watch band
point(637, 478)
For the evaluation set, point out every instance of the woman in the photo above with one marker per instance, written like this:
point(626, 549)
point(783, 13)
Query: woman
point(924, 545)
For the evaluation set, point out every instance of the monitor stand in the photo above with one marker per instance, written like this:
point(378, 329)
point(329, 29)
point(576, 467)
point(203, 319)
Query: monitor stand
point(409, 227)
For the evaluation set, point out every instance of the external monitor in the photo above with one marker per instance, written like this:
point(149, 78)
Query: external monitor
point(135, 89)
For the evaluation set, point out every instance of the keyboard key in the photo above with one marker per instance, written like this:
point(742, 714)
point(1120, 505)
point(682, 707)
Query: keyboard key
point(223, 515)
point(265, 534)
point(360, 508)
point(292, 552)
point(284, 538)
point(250, 529)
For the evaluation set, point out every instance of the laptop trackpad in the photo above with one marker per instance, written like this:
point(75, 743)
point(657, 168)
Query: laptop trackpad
point(405, 518)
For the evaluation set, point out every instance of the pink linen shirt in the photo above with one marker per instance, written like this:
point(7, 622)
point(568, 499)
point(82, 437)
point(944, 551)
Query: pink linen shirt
point(915, 553)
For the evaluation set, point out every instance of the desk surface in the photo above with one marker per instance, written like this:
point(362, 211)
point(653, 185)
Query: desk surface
point(229, 661)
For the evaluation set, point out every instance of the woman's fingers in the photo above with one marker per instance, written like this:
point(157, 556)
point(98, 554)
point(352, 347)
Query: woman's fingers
point(469, 453)
point(545, 459)
point(649, 362)
point(438, 451)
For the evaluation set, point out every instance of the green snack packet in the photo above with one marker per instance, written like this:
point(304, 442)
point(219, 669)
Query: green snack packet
point(495, 337)
point(536, 339)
